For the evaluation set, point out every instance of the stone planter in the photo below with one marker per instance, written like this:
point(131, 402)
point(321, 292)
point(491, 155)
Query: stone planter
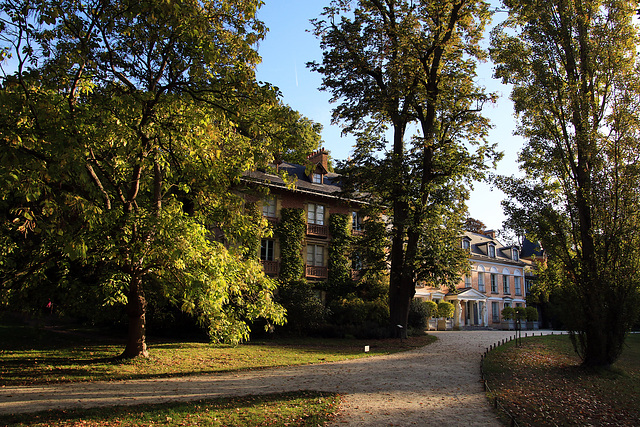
point(532, 326)
point(507, 325)
point(442, 324)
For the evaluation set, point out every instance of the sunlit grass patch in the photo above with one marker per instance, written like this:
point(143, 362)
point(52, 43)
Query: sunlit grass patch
point(34, 356)
point(303, 408)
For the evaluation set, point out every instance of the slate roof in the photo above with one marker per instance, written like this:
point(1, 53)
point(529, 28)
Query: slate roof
point(478, 241)
point(530, 249)
point(329, 187)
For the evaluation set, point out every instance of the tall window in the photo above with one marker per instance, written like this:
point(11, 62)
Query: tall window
point(494, 283)
point(495, 312)
point(481, 282)
point(356, 221)
point(315, 255)
point(315, 214)
point(467, 280)
point(466, 245)
point(517, 285)
point(266, 250)
point(492, 251)
point(269, 207)
point(505, 284)
point(516, 255)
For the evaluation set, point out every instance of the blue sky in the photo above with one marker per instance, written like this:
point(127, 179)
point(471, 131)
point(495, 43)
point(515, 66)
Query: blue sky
point(289, 45)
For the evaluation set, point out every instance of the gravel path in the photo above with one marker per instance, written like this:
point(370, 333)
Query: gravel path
point(434, 385)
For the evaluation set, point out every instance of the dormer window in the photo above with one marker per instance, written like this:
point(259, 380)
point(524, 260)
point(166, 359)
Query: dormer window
point(466, 245)
point(492, 251)
point(516, 255)
point(317, 178)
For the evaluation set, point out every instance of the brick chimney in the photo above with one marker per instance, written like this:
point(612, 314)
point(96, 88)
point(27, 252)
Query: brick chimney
point(321, 156)
point(490, 233)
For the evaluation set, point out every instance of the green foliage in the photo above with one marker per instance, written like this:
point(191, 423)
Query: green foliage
point(508, 313)
point(305, 311)
point(432, 308)
point(419, 314)
point(290, 232)
point(520, 313)
point(397, 64)
point(531, 314)
point(445, 309)
point(340, 282)
point(579, 196)
point(124, 129)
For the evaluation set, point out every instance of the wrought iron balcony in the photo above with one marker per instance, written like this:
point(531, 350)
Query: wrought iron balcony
point(271, 268)
point(316, 272)
point(317, 230)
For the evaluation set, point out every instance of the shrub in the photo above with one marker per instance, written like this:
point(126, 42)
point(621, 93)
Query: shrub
point(532, 314)
point(419, 313)
point(508, 313)
point(520, 313)
point(305, 311)
point(433, 308)
point(445, 309)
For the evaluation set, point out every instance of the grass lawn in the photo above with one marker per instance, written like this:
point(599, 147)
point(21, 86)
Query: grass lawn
point(30, 355)
point(287, 409)
point(542, 384)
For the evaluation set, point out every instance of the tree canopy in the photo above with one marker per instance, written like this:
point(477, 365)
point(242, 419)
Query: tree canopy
point(125, 126)
point(574, 71)
point(405, 70)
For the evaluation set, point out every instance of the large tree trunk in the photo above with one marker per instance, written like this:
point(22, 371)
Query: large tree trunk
point(401, 287)
point(136, 311)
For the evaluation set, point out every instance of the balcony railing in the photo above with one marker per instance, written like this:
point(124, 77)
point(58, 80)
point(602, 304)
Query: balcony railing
point(357, 232)
point(318, 230)
point(316, 272)
point(271, 267)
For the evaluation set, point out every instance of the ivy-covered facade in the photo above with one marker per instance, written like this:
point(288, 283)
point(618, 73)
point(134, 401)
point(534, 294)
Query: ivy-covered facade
point(313, 227)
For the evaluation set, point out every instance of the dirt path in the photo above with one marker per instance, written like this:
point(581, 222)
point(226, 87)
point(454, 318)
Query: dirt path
point(435, 385)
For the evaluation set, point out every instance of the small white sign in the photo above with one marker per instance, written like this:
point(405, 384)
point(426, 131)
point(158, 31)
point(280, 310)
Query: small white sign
point(366, 349)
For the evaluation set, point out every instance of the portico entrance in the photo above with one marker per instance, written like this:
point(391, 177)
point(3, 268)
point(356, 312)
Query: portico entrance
point(470, 308)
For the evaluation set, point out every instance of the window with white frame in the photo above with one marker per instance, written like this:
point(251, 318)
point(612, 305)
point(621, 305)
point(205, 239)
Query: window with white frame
point(505, 284)
point(467, 280)
point(356, 221)
point(494, 283)
point(507, 304)
point(269, 207)
point(527, 285)
point(481, 281)
point(495, 312)
point(315, 255)
point(466, 245)
point(266, 250)
point(315, 214)
point(517, 285)
point(492, 251)
point(317, 178)
point(516, 254)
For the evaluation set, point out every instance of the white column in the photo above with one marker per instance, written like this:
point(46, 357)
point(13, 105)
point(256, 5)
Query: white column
point(457, 314)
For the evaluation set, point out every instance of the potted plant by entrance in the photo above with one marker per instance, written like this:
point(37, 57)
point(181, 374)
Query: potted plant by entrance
point(532, 318)
point(445, 311)
point(432, 313)
point(508, 314)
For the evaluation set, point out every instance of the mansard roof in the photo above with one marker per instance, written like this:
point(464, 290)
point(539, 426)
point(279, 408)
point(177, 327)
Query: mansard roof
point(297, 173)
point(478, 247)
